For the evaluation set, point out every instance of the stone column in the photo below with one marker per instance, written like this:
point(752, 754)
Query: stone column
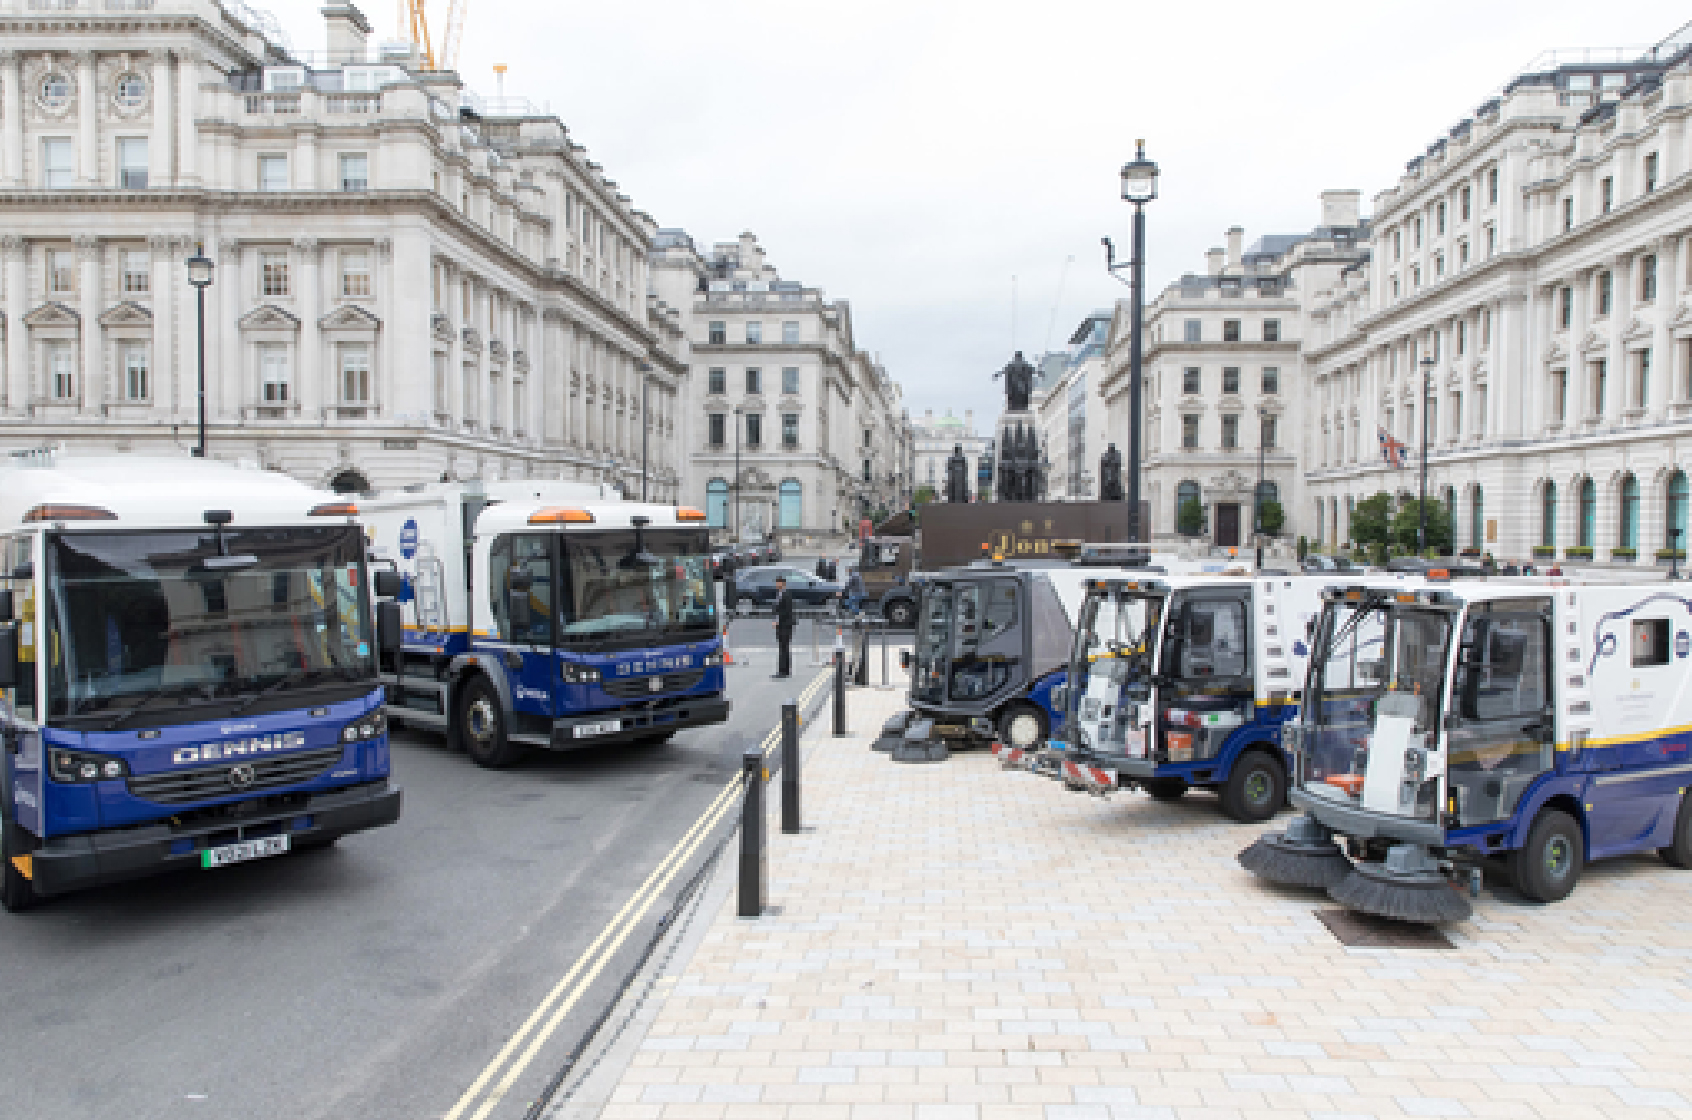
point(14, 389)
point(11, 119)
point(160, 165)
point(93, 388)
point(165, 279)
point(187, 111)
point(87, 121)
point(229, 388)
point(316, 387)
point(1619, 392)
point(385, 392)
point(1663, 373)
point(552, 367)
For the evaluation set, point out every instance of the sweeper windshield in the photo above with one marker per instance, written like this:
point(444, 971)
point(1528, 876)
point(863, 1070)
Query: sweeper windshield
point(1114, 641)
point(1377, 675)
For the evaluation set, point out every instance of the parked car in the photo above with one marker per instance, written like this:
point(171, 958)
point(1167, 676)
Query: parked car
point(755, 587)
point(1317, 562)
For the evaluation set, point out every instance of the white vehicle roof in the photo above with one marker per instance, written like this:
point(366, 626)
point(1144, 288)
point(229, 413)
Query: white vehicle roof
point(150, 491)
point(529, 515)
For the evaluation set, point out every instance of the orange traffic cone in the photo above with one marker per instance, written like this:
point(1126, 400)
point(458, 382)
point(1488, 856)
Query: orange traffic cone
point(728, 655)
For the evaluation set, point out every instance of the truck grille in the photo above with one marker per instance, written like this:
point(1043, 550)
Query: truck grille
point(639, 688)
point(206, 782)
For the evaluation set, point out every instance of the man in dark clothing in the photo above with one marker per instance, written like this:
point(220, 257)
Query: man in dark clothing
point(822, 567)
point(784, 630)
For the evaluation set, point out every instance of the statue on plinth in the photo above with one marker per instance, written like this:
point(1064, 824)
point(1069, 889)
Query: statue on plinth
point(1019, 383)
point(1110, 475)
point(957, 475)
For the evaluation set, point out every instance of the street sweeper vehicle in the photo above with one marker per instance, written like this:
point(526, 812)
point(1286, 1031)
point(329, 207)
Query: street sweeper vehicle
point(1182, 682)
point(549, 614)
point(1543, 722)
point(188, 658)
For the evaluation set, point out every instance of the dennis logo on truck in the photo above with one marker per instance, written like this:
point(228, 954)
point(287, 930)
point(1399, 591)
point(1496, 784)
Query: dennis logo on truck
point(239, 748)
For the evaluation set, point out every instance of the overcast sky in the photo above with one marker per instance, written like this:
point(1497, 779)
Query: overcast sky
point(913, 156)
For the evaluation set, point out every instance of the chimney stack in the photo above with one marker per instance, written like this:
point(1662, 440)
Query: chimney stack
point(1236, 243)
point(348, 32)
point(1213, 262)
point(1342, 209)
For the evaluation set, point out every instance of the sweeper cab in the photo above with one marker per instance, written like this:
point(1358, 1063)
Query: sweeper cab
point(1545, 722)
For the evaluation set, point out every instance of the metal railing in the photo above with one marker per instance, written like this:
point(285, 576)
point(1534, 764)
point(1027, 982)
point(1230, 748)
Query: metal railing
point(273, 104)
point(353, 103)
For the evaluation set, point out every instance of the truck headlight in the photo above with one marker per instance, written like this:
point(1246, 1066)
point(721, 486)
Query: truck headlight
point(712, 660)
point(365, 727)
point(578, 674)
point(80, 767)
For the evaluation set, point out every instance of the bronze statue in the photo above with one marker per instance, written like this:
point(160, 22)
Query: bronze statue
point(1110, 475)
point(1019, 383)
point(957, 475)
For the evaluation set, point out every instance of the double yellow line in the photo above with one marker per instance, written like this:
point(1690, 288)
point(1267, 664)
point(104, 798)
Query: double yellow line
point(496, 1080)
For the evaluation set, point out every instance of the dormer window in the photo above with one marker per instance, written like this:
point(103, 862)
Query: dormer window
point(284, 79)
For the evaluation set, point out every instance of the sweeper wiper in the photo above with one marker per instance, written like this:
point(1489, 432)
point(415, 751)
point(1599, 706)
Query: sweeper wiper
point(1539, 721)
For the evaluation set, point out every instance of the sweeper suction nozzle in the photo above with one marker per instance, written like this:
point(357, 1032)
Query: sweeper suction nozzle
point(1305, 855)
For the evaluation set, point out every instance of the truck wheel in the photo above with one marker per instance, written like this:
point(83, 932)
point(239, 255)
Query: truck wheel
point(1679, 851)
point(1548, 865)
point(481, 726)
point(900, 613)
point(16, 892)
point(1256, 788)
point(1165, 789)
point(1022, 725)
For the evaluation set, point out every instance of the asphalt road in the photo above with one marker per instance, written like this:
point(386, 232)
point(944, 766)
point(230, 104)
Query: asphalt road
point(378, 979)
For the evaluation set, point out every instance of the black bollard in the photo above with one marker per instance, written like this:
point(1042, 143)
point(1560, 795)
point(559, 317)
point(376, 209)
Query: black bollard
point(754, 864)
point(790, 767)
point(839, 697)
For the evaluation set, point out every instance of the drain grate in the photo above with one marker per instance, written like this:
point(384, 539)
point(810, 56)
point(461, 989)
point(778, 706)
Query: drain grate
point(1369, 932)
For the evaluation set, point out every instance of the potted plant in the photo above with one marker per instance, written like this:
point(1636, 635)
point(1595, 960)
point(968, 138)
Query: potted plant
point(1544, 552)
point(1627, 555)
point(1578, 552)
point(1665, 555)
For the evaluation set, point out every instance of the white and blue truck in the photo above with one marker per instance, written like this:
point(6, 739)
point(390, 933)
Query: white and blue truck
point(548, 614)
point(1541, 724)
point(188, 658)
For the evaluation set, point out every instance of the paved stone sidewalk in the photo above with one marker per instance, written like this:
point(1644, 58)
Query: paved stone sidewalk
point(960, 943)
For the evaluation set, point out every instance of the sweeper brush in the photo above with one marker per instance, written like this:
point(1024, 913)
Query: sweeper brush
point(893, 731)
point(1305, 855)
point(1407, 885)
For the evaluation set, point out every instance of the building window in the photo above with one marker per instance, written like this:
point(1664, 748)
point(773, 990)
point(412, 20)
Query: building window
point(1606, 291)
point(1648, 277)
point(137, 271)
point(61, 272)
point(440, 383)
point(754, 381)
point(1565, 307)
point(1650, 172)
point(132, 163)
point(869, 435)
point(1491, 240)
point(790, 332)
point(1271, 330)
point(355, 273)
point(1415, 276)
point(55, 91)
point(355, 373)
point(1439, 218)
point(1271, 381)
point(868, 476)
point(1230, 433)
point(273, 274)
point(471, 394)
point(1492, 186)
point(1186, 494)
point(1548, 514)
point(61, 370)
point(1588, 513)
point(1607, 194)
point(1268, 428)
point(1674, 524)
point(716, 381)
point(129, 90)
point(717, 334)
point(754, 332)
point(790, 429)
point(1189, 431)
point(790, 380)
point(1559, 396)
point(58, 163)
point(1416, 233)
point(1439, 265)
point(1397, 245)
point(792, 505)
point(1462, 336)
point(273, 374)
point(1395, 287)
point(1627, 535)
point(355, 171)
point(1568, 213)
point(1230, 379)
point(1641, 378)
point(1193, 330)
point(1600, 386)
point(754, 429)
point(716, 429)
point(1477, 520)
point(135, 383)
point(1191, 381)
point(1464, 204)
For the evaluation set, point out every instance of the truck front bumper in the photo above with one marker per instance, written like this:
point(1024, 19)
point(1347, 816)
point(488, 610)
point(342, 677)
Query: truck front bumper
point(638, 723)
point(1365, 824)
point(69, 863)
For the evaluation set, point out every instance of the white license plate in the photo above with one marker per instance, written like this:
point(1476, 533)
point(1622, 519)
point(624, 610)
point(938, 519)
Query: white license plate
point(245, 850)
point(603, 727)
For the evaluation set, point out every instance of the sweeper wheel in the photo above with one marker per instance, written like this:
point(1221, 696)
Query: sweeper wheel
point(1548, 865)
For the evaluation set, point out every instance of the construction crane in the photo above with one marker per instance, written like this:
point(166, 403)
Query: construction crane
point(415, 20)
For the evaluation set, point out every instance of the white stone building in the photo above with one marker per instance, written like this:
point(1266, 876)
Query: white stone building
point(409, 282)
point(1538, 260)
point(936, 439)
point(789, 427)
point(1072, 420)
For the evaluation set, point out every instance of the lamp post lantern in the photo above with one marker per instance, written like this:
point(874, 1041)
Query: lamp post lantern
point(1422, 504)
point(200, 275)
point(1257, 500)
point(1139, 186)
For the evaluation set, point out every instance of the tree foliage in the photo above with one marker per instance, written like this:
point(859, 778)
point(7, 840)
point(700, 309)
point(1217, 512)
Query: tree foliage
point(1439, 525)
point(1190, 519)
point(923, 495)
point(1371, 520)
point(1271, 517)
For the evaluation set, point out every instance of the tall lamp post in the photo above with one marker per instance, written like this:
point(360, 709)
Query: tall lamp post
point(200, 275)
point(1257, 501)
point(1139, 186)
point(737, 413)
point(1422, 505)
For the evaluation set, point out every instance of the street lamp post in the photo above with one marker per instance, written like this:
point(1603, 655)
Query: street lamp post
point(737, 413)
point(1257, 502)
point(1422, 505)
point(200, 275)
point(1139, 186)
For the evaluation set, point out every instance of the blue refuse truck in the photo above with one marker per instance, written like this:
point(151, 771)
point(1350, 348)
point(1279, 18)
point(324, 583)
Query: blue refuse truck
point(552, 615)
point(188, 658)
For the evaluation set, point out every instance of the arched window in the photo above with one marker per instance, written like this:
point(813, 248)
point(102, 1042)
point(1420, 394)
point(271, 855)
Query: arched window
point(1548, 514)
point(792, 504)
point(717, 503)
point(1588, 513)
point(1628, 534)
point(1477, 520)
point(1187, 492)
point(1675, 521)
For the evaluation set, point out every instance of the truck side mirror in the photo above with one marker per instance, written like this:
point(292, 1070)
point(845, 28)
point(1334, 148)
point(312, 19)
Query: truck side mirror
point(904, 659)
point(390, 627)
point(9, 655)
point(387, 583)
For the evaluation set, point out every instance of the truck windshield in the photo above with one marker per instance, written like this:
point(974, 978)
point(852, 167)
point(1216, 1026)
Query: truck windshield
point(934, 629)
point(170, 624)
point(619, 593)
point(1112, 655)
point(1373, 660)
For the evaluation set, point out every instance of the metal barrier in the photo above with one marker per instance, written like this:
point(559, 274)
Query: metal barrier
point(754, 858)
point(790, 817)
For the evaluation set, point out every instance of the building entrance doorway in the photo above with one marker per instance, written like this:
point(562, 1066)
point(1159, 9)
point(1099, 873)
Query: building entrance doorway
point(1227, 524)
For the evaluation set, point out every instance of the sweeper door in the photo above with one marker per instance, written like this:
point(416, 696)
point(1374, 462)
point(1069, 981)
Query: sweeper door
point(1205, 667)
point(1501, 723)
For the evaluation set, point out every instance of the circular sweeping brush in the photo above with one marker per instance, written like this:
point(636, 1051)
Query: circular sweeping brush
point(1418, 896)
point(1302, 856)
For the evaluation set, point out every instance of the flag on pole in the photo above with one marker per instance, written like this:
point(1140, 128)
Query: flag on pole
point(1392, 450)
